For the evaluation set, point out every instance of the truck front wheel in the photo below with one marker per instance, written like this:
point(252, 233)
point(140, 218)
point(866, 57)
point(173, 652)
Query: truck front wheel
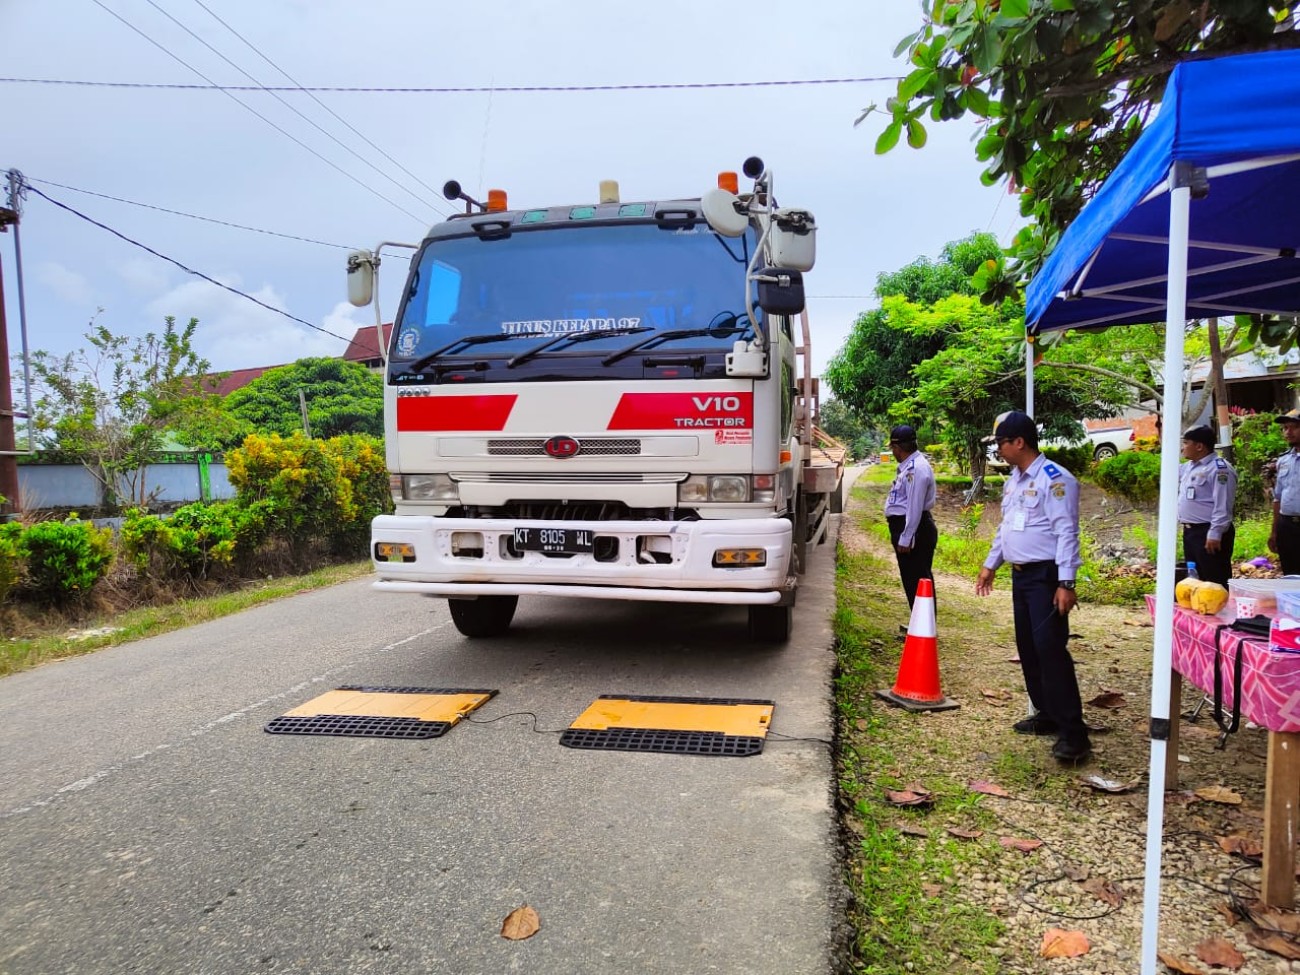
point(770, 624)
point(484, 616)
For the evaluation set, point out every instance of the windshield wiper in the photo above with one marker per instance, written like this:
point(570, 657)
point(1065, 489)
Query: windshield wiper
point(464, 342)
point(712, 330)
point(574, 337)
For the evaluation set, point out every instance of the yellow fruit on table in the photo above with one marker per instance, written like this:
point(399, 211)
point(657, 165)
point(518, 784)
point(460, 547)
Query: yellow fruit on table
point(1183, 592)
point(1209, 597)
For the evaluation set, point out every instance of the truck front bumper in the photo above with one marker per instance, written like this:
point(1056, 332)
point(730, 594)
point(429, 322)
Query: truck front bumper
point(638, 560)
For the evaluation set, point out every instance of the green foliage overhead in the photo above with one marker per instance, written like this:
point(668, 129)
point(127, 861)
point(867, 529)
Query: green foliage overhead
point(342, 397)
point(1060, 88)
point(1256, 441)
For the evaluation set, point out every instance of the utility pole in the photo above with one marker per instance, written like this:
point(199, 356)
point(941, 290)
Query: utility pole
point(8, 444)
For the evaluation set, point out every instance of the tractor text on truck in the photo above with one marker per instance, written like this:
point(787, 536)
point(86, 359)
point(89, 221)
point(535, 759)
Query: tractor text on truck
point(604, 400)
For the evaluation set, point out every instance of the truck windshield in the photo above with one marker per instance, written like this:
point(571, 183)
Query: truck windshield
point(559, 302)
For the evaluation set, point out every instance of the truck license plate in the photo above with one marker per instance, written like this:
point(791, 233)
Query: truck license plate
point(568, 541)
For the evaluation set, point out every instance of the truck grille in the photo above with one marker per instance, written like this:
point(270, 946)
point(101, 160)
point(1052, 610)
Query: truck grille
point(566, 477)
point(591, 447)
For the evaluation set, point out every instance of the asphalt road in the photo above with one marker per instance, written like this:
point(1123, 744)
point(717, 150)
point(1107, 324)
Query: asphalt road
point(148, 823)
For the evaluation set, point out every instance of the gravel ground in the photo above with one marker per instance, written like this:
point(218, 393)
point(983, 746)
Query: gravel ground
point(1087, 874)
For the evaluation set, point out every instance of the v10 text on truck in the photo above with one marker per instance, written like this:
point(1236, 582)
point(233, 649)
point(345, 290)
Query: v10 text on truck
point(604, 400)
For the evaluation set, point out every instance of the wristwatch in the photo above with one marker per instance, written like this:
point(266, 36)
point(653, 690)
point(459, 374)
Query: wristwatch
point(1066, 584)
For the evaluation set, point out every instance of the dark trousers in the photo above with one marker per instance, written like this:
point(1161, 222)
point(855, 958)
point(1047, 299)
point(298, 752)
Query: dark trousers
point(1288, 544)
point(1041, 637)
point(917, 564)
point(1211, 567)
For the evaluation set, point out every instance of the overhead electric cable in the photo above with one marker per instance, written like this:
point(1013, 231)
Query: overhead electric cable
point(187, 270)
point(341, 119)
point(329, 135)
point(250, 108)
point(192, 216)
point(460, 89)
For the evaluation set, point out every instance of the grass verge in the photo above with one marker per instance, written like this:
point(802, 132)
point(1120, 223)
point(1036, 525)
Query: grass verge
point(22, 653)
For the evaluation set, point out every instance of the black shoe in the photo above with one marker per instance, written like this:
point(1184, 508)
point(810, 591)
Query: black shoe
point(1038, 724)
point(1071, 751)
point(902, 628)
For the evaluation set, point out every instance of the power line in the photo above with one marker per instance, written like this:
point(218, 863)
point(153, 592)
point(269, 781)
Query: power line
point(250, 108)
point(187, 270)
point(309, 121)
point(192, 216)
point(458, 89)
point(298, 87)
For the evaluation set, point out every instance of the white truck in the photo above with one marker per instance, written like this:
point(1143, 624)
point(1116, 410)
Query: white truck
point(604, 400)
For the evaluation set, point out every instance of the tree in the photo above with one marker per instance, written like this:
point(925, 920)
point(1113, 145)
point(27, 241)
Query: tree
point(840, 422)
point(342, 397)
point(873, 369)
point(109, 406)
point(1061, 88)
point(979, 373)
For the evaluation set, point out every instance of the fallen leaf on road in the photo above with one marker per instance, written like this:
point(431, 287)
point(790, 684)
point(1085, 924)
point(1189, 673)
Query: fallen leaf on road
point(1274, 943)
point(1220, 794)
point(1104, 891)
point(1015, 843)
point(914, 831)
point(521, 923)
point(1176, 964)
point(1229, 915)
point(1109, 699)
point(1273, 918)
point(1106, 785)
point(1064, 944)
point(906, 797)
point(996, 695)
point(965, 834)
point(1217, 951)
point(988, 788)
point(1246, 846)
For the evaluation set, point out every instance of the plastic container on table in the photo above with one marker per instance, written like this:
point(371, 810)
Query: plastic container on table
point(1288, 600)
point(1251, 597)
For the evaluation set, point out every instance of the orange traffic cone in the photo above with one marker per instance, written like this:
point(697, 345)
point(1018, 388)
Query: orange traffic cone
point(917, 686)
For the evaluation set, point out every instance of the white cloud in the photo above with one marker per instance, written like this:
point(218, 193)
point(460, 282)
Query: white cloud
point(341, 320)
point(70, 286)
point(143, 275)
point(235, 333)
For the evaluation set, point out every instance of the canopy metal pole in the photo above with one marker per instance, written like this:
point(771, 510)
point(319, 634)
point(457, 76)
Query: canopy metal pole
point(1167, 541)
point(1029, 372)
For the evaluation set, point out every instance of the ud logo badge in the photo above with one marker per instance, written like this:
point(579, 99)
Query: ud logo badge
point(561, 447)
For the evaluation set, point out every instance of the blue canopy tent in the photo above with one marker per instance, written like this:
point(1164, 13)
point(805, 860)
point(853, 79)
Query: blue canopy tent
point(1201, 218)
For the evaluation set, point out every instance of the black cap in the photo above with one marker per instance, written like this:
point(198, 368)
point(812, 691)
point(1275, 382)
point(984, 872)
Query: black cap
point(1290, 416)
point(1016, 424)
point(1202, 435)
point(902, 434)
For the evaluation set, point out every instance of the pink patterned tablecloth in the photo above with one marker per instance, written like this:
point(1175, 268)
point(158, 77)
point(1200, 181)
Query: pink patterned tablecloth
point(1270, 681)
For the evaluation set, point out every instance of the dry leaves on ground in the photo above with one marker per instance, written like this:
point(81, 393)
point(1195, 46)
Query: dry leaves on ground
point(1104, 891)
point(988, 788)
point(1217, 951)
point(910, 795)
point(1106, 785)
point(1064, 944)
point(521, 923)
point(1176, 964)
point(1112, 700)
point(965, 834)
point(1246, 846)
point(1219, 793)
point(1015, 843)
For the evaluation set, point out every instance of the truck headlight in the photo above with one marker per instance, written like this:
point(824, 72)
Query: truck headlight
point(719, 488)
point(430, 487)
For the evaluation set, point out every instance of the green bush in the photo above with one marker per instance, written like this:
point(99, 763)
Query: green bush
point(12, 556)
point(65, 559)
point(194, 540)
point(1076, 460)
point(1256, 440)
point(1132, 474)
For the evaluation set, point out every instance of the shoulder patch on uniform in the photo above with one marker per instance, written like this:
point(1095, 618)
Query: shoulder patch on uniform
point(1220, 463)
point(1223, 478)
point(909, 477)
point(1051, 470)
point(1058, 491)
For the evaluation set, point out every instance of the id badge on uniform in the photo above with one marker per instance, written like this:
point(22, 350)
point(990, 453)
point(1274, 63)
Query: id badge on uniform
point(1018, 520)
point(1191, 494)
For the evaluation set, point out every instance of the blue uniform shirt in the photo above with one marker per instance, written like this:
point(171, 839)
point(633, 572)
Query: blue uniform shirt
point(1040, 519)
point(1287, 489)
point(1206, 491)
point(912, 494)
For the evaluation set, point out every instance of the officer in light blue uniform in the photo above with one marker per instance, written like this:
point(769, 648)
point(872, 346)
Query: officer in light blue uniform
point(1207, 488)
point(907, 510)
point(1285, 537)
point(1039, 536)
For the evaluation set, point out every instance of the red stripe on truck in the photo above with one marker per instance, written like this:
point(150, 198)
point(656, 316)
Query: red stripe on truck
point(683, 411)
point(453, 413)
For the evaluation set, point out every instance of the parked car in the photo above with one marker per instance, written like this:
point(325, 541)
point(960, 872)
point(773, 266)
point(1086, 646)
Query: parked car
point(1105, 444)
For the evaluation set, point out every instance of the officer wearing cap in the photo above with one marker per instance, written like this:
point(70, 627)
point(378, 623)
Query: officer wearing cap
point(1039, 536)
point(1207, 488)
point(1285, 537)
point(907, 509)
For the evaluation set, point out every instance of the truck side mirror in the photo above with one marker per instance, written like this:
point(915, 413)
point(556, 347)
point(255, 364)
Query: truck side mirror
point(780, 290)
point(361, 278)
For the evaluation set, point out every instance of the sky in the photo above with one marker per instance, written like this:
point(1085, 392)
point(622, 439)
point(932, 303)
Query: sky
point(203, 153)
